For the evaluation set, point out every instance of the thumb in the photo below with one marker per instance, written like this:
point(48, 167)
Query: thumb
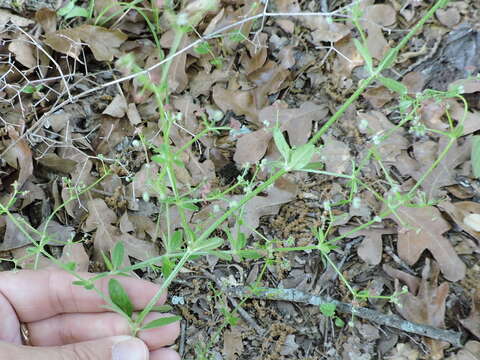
point(112, 348)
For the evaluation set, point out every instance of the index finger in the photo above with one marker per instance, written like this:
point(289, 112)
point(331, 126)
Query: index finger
point(41, 294)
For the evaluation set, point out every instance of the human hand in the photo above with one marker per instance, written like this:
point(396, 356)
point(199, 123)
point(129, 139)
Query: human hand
point(67, 322)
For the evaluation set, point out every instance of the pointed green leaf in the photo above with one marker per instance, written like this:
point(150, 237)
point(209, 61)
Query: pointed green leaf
point(107, 261)
point(72, 265)
point(208, 244)
point(162, 308)
point(117, 255)
point(328, 309)
point(167, 267)
point(161, 322)
point(281, 143)
point(119, 297)
point(365, 55)
point(393, 85)
point(300, 157)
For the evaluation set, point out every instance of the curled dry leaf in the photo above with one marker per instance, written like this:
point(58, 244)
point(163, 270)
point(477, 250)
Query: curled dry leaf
point(24, 51)
point(19, 156)
point(422, 228)
point(371, 248)
point(472, 322)
point(55, 163)
point(117, 108)
point(465, 214)
point(103, 42)
point(6, 17)
point(412, 281)
point(448, 17)
point(427, 306)
point(13, 237)
point(377, 16)
point(47, 18)
point(239, 101)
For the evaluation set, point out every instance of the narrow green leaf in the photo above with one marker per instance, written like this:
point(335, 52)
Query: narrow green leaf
point(67, 8)
point(85, 283)
point(301, 157)
point(328, 309)
point(119, 297)
point(77, 11)
point(393, 85)
point(176, 241)
point(188, 206)
point(365, 54)
point(167, 267)
point(72, 265)
point(221, 255)
point(107, 261)
point(209, 244)
point(203, 48)
point(162, 308)
point(161, 322)
point(475, 156)
point(117, 255)
point(339, 322)
point(281, 143)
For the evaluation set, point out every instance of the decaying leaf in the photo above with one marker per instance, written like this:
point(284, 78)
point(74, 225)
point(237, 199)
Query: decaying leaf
point(427, 306)
point(466, 215)
point(378, 15)
point(297, 123)
point(472, 322)
point(19, 157)
point(422, 228)
point(412, 281)
point(24, 51)
point(283, 192)
point(103, 42)
point(232, 343)
point(371, 248)
point(336, 155)
point(75, 253)
point(117, 108)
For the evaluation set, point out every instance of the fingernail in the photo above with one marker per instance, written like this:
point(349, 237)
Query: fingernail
point(131, 349)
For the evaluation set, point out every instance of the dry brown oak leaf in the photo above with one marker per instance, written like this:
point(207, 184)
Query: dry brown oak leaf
point(422, 228)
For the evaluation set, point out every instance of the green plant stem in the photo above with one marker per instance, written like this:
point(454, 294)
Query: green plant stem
point(384, 64)
point(164, 286)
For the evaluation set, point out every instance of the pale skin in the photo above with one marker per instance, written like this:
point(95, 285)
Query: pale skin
point(68, 322)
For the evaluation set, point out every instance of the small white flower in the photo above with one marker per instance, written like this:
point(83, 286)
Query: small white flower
point(136, 143)
point(356, 202)
point(363, 125)
point(326, 205)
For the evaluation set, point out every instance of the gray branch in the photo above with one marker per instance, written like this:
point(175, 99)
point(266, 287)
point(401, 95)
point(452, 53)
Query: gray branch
point(393, 321)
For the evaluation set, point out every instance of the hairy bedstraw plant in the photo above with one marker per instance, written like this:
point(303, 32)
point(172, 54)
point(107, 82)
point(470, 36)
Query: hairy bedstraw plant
point(192, 241)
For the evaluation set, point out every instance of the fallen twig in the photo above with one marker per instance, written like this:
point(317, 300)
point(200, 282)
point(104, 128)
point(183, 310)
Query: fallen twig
point(245, 315)
point(393, 321)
